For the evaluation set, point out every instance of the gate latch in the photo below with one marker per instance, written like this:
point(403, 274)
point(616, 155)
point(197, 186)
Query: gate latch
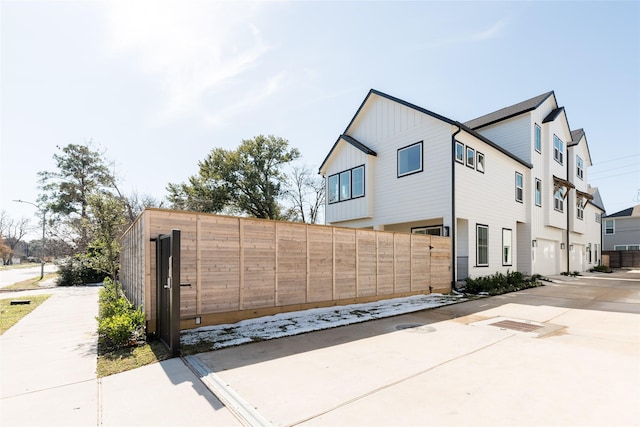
point(168, 284)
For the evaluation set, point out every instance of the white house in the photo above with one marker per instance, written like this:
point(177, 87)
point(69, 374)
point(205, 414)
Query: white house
point(505, 187)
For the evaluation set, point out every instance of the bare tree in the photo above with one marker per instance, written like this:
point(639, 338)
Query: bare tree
point(12, 232)
point(306, 192)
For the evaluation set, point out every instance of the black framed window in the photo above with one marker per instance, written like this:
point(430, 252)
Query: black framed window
point(410, 159)
point(482, 245)
point(346, 185)
point(471, 157)
point(480, 162)
point(507, 236)
point(459, 152)
point(538, 192)
point(519, 187)
point(538, 139)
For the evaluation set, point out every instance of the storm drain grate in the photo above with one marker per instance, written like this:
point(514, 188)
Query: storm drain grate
point(517, 326)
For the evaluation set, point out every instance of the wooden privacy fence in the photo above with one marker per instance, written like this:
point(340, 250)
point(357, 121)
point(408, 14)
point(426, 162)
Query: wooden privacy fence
point(236, 268)
point(621, 259)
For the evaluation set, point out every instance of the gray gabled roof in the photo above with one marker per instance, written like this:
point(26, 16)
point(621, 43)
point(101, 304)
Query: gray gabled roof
point(553, 115)
point(597, 200)
point(360, 146)
point(462, 126)
point(576, 136)
point(508, 112)
point(632, 211)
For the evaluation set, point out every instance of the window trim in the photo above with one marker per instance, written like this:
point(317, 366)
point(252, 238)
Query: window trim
point(580, 211)
point(473, 157)
point(419, 143)
point(478, 227)
point(560, 200)
point(613, 227)
point(363, 183)
point(510, 263)
point(461, 158)
point(479, 156)
point(558, 152)
point(351, 196)
point(521, 188)
point(537, 137)
point(538, 200)
point(579, 167)
point(440, 228)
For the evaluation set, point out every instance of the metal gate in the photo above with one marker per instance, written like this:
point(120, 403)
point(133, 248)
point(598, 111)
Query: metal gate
point(168, 290)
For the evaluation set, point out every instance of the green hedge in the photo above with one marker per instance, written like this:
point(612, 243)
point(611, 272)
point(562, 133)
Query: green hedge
point(120, 324)
point(499, 283)
point(75, 271)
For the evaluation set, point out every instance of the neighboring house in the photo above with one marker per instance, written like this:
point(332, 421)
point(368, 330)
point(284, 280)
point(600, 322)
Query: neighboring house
point(621, 230)
point(510, 188)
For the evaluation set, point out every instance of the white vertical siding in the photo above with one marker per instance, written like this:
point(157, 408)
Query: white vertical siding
point(345, 157)
point(385, 126)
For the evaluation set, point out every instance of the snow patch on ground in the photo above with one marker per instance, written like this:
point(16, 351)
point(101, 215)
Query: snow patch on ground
point(300, 322)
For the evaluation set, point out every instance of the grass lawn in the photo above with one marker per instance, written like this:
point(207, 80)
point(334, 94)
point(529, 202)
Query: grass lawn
point(130, 358)
point(30, 284)
point(10, 314)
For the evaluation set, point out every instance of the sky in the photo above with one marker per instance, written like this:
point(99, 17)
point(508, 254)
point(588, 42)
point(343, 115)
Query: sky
point(159, 84)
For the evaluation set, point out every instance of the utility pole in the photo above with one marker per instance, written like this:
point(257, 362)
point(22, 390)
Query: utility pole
point(44, 212)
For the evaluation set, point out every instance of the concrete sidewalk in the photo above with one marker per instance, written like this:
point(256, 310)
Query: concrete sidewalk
point(48, 375)
point(579, 364)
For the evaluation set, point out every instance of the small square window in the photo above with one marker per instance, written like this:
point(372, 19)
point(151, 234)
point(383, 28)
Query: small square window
point(480, 162)
point(471, 157)
point(459, 152)
point(410, 159)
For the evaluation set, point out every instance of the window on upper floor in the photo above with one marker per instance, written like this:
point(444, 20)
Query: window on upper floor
point(471, 157)
point(598, 217)
point(480, 162)
point(346, 185)
point(519, 187)
point(538, 192)
point(506, 246)
point(579, 167)
point(580, 211)
point(558, 200)
point(410, 159)
point(459, 152)
point(538, 139)
point(558, 150)
point(482, 245)
point(609, 226)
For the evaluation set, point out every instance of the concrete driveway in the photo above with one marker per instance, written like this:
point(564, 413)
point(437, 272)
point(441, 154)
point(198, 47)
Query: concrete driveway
point(566, 354)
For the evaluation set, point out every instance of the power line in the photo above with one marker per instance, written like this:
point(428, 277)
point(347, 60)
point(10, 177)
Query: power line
point(619, 158)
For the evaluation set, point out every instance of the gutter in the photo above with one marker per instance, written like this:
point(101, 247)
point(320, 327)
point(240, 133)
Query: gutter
point(454, 259)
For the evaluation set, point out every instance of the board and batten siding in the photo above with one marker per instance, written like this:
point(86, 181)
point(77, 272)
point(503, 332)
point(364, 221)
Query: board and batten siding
point(236, 268)
point(386, 126)
point(346, 157)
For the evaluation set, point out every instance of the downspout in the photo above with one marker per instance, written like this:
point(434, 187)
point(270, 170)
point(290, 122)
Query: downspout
point(568, 245)
point(452, 235)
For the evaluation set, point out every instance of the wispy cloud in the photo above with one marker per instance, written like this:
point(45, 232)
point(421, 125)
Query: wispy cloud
point(193, 50)
point(495, 31)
